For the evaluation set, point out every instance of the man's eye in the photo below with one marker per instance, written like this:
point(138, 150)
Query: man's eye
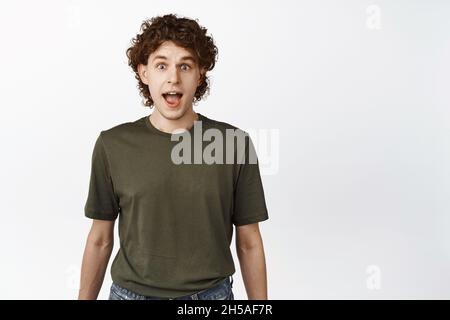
point(158, 66)
point(185, 65)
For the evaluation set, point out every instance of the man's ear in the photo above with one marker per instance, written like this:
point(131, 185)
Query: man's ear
point(142, 70)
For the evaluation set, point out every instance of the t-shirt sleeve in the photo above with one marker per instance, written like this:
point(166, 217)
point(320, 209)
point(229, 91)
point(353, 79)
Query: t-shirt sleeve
point(249, 201)
point(102, 202)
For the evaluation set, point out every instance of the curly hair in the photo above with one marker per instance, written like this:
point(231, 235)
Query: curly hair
point(184, 32)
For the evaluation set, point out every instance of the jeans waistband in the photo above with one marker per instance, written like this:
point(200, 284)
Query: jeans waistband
point(227, 279)
point(193, 296)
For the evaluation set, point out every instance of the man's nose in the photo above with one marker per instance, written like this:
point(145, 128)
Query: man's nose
point(173, 76)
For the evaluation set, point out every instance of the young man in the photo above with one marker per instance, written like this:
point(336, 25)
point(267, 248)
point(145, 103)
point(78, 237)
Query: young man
point(175, 219)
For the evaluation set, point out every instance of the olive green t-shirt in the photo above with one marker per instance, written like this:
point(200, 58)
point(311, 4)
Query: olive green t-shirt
point(175, 219)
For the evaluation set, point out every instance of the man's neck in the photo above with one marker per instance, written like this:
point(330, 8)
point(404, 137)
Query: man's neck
point(173, 126)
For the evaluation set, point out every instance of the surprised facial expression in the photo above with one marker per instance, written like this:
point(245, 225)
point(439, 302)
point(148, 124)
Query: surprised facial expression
point(172, 75)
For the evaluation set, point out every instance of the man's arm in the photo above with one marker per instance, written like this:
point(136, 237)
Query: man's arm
point(250, 251)
point(97, 252)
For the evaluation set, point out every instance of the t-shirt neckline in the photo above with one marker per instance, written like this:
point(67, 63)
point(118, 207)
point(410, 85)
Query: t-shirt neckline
point(166, 134)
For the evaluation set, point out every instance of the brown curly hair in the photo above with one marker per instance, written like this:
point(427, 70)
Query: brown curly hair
point(184, 32)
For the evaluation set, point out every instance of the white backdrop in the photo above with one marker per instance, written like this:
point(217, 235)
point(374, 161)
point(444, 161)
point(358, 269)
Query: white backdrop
point(357, 90)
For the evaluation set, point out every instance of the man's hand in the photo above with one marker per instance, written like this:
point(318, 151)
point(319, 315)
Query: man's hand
point(250, 251)
point(96, 255)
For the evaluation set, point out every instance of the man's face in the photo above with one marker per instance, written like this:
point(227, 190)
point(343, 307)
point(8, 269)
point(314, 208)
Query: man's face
point(171, 69)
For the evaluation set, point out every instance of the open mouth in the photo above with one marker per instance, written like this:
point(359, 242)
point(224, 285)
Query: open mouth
point(172, 98)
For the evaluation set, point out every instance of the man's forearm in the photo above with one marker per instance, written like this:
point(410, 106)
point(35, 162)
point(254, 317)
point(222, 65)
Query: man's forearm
point(253, 269)
point(95, 262)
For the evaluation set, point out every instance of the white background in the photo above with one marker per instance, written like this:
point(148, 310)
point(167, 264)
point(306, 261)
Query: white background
point(359, 206)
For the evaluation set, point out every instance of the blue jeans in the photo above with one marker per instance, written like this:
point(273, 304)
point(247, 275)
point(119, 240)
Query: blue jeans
point(222, 291)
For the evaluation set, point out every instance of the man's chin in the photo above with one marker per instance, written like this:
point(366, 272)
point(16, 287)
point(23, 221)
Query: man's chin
point(172, 114)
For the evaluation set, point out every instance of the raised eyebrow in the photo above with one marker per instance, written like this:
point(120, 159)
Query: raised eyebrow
point(185, 58)
point(188, 58)
point(159, 57)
